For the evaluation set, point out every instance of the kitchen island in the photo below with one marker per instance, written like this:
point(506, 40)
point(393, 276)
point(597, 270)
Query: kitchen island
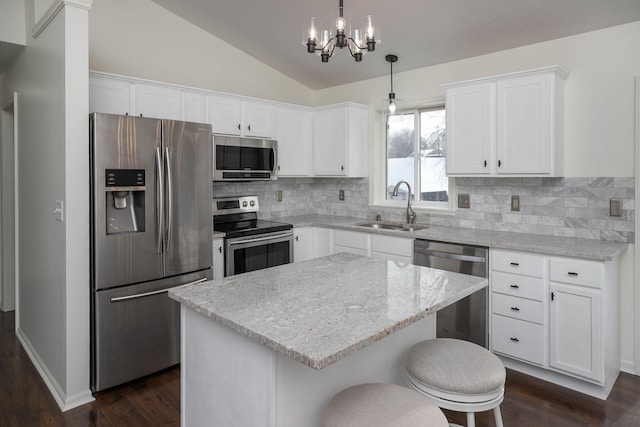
point(270, 347)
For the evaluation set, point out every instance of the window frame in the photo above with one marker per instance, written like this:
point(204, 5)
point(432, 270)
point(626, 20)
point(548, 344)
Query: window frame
point(378, 185)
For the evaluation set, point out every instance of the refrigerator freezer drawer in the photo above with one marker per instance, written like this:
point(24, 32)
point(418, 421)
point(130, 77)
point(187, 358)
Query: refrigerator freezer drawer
point(136, 330)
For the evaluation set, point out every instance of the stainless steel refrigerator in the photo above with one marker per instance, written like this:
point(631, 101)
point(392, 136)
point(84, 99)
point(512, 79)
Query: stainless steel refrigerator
point(151, 230)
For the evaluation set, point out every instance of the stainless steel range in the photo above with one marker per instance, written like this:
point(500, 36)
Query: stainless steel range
point(250, 243)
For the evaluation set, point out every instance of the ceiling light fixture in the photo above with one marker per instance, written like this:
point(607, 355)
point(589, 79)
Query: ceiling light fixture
point(359, 43)
point(392, 96)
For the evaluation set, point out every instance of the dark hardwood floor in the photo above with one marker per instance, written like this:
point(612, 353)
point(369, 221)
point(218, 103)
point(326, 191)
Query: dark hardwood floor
point(155, 400)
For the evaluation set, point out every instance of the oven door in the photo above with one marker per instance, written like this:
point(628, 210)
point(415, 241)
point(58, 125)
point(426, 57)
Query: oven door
point(244, 254)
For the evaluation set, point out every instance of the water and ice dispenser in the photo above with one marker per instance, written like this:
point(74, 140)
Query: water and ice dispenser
point(125, 208)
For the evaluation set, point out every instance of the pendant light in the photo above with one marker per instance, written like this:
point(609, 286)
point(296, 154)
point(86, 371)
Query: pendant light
point(392, 96)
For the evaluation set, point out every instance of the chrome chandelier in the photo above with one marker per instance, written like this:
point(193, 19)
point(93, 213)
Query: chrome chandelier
point(359, 41)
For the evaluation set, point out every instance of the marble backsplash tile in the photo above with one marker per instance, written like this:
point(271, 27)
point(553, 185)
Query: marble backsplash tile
point(571, 207)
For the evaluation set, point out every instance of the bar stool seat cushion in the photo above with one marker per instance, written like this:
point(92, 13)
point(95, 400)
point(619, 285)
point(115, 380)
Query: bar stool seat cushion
point(377, 404)
point(455, 366)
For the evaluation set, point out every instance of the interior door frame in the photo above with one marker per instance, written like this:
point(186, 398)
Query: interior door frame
point(8, 198)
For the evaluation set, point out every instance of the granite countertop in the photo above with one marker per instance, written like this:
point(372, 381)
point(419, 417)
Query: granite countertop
point(321, 310)
point(598, 250)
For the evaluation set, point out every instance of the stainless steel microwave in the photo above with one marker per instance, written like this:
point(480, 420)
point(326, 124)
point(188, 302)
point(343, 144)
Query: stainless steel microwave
point(244, 159)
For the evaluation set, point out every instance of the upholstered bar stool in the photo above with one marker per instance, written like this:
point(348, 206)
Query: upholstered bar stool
point(382, 405)
point(457, 375)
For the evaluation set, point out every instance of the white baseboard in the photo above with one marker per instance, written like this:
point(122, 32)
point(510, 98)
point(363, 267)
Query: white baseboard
point(64, 402)
point(628, 367)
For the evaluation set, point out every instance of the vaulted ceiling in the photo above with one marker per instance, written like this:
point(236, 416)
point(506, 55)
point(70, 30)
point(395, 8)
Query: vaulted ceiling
point(420, 32)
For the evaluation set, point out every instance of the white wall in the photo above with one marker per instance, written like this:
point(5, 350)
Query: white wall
point(51, 78)
point(138, 38)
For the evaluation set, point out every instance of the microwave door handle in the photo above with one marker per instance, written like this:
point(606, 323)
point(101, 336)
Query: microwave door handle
point(274, 153)
point(169, 227)
point(159, 201)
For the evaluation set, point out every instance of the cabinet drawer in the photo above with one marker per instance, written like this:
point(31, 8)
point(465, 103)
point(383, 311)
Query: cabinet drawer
point(517, 262)
point(517, 285)
point(392, 245)
point(351, 239)
point(576, 271)
point(518, 308)
point(350, 250)
point(517, 338)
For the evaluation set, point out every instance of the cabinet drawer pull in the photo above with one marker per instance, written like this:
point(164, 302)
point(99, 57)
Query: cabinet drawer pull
point(515, 309)
point(515, 286)
point(515, 264)
point(572, 273)
point(514, 339)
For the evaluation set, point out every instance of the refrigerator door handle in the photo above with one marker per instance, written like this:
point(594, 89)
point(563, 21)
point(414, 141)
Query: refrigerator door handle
point(169, 227)
point(148, 294)
point(159, 201)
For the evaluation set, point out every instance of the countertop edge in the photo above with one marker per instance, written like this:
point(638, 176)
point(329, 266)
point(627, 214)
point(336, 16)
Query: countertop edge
point(598, 250)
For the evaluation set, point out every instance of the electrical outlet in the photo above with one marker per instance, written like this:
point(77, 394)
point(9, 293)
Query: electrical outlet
point(464, 201)
point(615, 207)
point(515, 203)
point(279, 195)
point(341, 195)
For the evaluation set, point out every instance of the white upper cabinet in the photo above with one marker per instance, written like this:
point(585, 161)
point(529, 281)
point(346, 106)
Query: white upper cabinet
point(340, 141)
point(511, 125)
point(109, 95)
point(196, 107)
point(294, 133)
point(159, 102)
point(471, 129)
point(232, 116)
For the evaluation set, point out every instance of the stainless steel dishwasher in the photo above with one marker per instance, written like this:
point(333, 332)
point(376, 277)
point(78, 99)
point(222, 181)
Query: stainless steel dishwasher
point(466, 319)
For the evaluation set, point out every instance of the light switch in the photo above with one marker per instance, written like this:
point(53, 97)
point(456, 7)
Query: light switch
point(58, 211)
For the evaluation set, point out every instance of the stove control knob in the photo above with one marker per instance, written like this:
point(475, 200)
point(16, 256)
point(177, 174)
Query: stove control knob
point(244, 204)
point(252, 203)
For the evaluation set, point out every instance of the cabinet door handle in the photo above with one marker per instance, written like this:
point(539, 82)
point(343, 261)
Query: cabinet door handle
point(341, 167)
point(249, 128)
point(515, 309)
point(514, 339)
point(515, 286)
point(296, 238)
point(485, 163)
point(553, 296)
point(499, 163)
point(220, 249)
point(238, 126)
point(515, 264)
point(278, 167)
point(572, 273)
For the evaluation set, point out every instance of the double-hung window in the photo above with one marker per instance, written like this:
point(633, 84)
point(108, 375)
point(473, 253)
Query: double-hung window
point(416, 153)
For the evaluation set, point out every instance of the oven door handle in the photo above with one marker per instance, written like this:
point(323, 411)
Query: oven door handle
point(260, 239)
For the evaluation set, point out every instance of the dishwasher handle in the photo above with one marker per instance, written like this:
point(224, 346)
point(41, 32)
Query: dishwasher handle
point(448, 255)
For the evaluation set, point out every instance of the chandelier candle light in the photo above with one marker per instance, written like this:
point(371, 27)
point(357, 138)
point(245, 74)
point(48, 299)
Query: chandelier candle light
point(361, 42)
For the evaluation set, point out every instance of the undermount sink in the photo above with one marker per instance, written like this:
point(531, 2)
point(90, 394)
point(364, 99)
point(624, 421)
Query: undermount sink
point(392, 226)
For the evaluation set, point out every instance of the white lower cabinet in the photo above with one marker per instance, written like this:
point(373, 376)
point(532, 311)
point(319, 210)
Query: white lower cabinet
point(302, 244)
point(576, 319)
point(560, 314)
point(218, 258)
point(322, 242)
point(518, 312)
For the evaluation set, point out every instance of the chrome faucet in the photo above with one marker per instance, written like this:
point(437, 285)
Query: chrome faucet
point(411, 214)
